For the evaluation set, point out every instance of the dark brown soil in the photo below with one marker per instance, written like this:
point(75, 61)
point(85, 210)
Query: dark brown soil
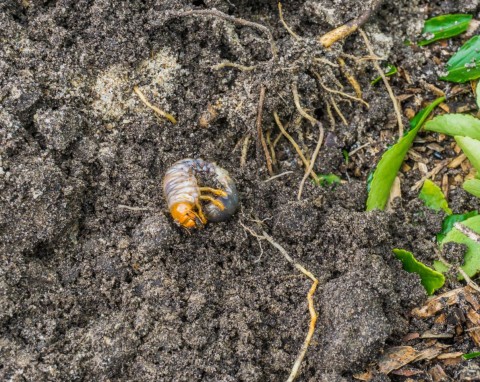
point(92, 290)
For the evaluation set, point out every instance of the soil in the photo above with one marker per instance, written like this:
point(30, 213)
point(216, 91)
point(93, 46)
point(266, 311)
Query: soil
point(97, 282)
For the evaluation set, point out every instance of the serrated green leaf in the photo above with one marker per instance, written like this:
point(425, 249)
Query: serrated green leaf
point(433, 197)
point(471, 261)
point(471, 148)
point(455, 124)
point(464, 65)
point(431, 279)
point(444, 26)
point(388, 166)
point(390, 70)
point(472, 186)
point(471, 355)
point(450, 220)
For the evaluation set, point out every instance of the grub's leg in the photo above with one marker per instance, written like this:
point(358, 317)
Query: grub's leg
point(200, 214)
point(213, 201)
point(213, 191)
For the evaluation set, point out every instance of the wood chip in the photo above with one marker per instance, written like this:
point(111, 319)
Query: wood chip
point(457, 161)
point(410, 336)
point(444, 107)
point(417, 157)
point(409, 113)
point(367, 376)
point(438, 374)
point(407, 372)
point(435, 147)
point(438, 92)
point(429, 334)
point(396, 357)
point(472, 296)
point(438, 303)
point(422, 167)
point(395, 192)
point(429, 353)
point(474, 321)
point(450, 355)
point(406, 167)
point(457, 149)
point(466, 166)
point(445, 185)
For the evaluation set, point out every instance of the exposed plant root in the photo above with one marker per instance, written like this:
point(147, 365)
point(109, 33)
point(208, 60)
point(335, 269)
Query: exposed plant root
point(243, 158)
point(305, 161)
point(235, 20)
point(278, 176)
point(261, 138)
point(325, 61)
point(300, 109)
point(158, 111)
point(330, 116)
point(311, 307)
point(396, 105)
point(350, 78)
point(328, 39)
point(312, 160)
point(280, 14)
point(228, 64)
point(338, 111)
point(343, 94)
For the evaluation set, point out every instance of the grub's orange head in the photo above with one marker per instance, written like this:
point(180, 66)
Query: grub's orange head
point(184, 214)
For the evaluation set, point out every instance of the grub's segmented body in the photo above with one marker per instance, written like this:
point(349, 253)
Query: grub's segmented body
point(184, 195)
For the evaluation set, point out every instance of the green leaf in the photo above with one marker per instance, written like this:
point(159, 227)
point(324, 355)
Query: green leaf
point(471, 148)
point(471, 355)
point(346, 156)
point(431, 280)
point(472, 186)
point(444, 26)
point(450, 220)
point(440, 267)
point(471, 261)
point(463, 66)
point(455, 124)
point(433, 197)
point(477, 94)
point(390, 70)
point(327, 179)
point(392, 159)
